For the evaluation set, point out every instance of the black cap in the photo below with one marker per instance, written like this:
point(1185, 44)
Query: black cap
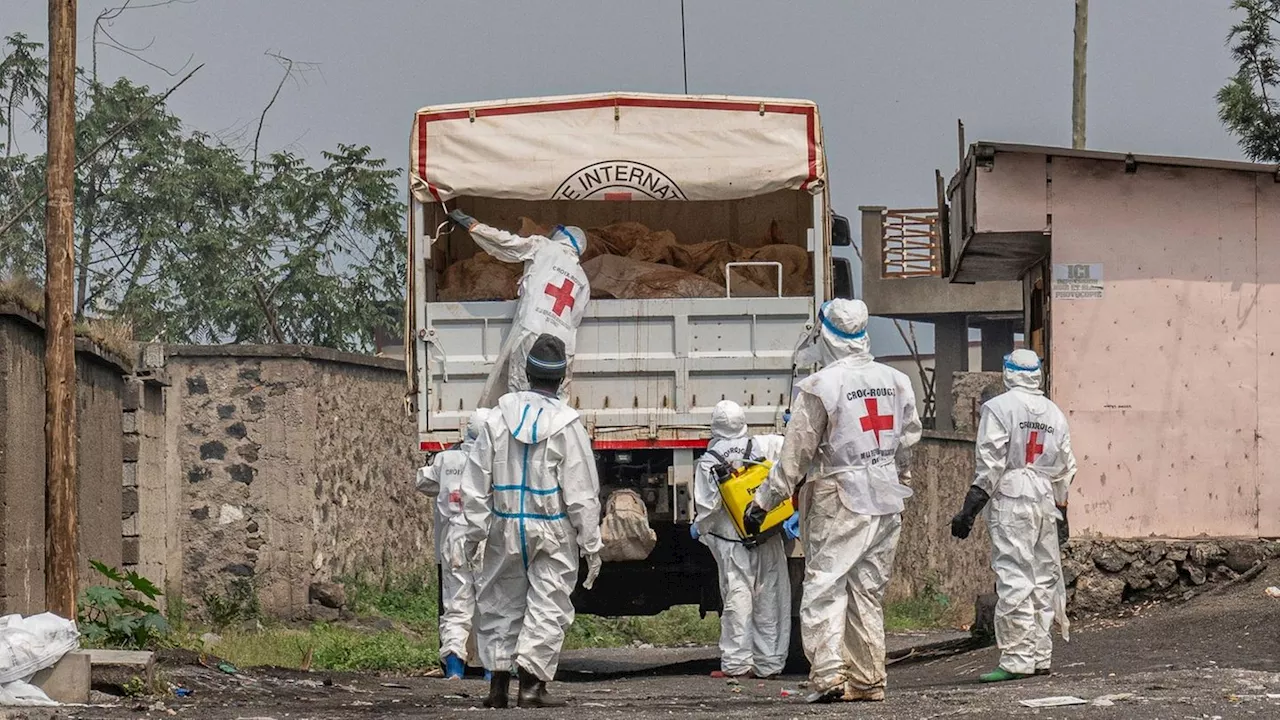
point(546, 359)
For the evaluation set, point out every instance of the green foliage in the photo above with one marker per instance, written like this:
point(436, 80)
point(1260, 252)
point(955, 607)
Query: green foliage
point(121, 614)
point(342, 649)
point(238, 602)
point(134, 687)
point(676, 626)
point(191, 240)
point(929, 609)
point(1247, 104)
point(410, 599)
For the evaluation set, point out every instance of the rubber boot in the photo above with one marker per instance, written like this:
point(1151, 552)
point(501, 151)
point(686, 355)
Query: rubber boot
point(533, 692)
point(454, 667)
point(1001, 675)
point(499, 691)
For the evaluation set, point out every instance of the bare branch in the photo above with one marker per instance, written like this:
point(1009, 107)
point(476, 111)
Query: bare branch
point(106, 18)
point(290, 65)
point(22, 211)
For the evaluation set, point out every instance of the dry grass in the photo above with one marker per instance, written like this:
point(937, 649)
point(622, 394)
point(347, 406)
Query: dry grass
point(114, 336)
point(23, 292)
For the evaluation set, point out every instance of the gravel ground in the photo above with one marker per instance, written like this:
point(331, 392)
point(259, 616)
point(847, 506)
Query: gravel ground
point(1215, 656)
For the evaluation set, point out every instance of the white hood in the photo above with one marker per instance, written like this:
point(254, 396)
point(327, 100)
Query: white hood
point(531, 417)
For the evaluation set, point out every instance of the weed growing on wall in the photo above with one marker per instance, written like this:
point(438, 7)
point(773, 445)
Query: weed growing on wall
point(238, 602)
point(121, 613)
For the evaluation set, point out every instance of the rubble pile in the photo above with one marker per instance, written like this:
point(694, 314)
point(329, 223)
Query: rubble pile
point(1100, 574)
point(628, 261)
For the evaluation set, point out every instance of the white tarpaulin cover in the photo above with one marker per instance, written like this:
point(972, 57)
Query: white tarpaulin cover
point(617, 147)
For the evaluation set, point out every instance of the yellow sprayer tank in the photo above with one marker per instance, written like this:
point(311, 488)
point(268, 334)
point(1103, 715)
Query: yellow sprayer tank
point(737, 490)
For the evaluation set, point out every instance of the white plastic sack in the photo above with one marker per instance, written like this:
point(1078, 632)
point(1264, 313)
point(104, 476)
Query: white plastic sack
point(28, 645)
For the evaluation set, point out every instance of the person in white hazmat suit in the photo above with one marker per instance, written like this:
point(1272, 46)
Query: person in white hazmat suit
point(531, 499)
point(1024, 469)
point(849, 423)
point(755, 590)
point(442, 479)
point(554, 293)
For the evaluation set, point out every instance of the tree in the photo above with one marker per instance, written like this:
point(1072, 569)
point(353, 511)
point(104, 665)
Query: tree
point(1247, 104)
point(193, 240)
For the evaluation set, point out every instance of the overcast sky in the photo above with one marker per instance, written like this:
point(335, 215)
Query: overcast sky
point(890, 77)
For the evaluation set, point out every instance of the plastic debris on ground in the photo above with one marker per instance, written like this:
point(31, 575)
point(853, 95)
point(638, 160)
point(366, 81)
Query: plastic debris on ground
point(182, 692)
point(227, 668)
point(1273, 592)
point(1055, 701)
point(1109, 700)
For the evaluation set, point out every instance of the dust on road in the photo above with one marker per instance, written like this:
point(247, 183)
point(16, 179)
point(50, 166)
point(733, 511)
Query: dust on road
point(1217, 655)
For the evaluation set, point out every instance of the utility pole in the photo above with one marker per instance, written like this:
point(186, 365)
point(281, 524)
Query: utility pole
point(60, 542)
point(1078, 74)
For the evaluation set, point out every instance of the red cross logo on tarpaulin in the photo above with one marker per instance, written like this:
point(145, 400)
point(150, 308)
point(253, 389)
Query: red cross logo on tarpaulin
point(563, 296)
point(875, 422)
point(1035, 448)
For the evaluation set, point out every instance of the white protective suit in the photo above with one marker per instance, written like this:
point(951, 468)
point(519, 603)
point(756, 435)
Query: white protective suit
point(1024, 462)
point(849, 422)
point(755, 590)
point(531, 494)
point(442, 479)
point(553, 296)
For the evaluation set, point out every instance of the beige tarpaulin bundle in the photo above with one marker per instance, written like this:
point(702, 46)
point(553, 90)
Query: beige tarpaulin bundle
point(627, 261)
point(625, 529)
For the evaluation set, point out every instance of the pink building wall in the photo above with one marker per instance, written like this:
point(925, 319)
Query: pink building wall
point(1171, 381)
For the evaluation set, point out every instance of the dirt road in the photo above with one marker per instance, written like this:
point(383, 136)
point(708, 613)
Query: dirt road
point(1217, 655)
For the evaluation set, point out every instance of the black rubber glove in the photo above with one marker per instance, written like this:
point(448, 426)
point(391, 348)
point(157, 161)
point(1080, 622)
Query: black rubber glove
point(974, 501)
point(1064, 530)
point(753, 517)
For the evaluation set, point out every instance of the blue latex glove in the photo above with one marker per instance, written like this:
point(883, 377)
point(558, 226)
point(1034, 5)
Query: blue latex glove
point(693, 532)
point(792, 526)
point(462, 219)
point(786, 417)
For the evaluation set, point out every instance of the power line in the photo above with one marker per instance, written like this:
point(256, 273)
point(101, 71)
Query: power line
point(684, 52)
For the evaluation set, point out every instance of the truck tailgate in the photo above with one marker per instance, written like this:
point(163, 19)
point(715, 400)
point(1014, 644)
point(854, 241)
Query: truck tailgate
point(644, 369)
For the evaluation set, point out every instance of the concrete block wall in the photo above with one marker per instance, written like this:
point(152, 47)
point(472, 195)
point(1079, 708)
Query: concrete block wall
point(99, 396)
point(928, 558)
point(145, 507)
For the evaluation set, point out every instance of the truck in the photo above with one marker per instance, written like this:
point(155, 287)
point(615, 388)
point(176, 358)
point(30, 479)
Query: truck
point(647, 371)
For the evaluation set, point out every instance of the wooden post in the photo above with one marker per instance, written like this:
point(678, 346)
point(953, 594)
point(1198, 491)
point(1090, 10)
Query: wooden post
point(1078, 74)
point(61, 541)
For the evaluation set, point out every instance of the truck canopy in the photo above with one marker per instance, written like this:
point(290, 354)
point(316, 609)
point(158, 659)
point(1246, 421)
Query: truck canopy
point(617, 146)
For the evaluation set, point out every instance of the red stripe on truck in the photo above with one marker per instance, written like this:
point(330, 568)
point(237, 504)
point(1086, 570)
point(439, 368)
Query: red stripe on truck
point(608, 445)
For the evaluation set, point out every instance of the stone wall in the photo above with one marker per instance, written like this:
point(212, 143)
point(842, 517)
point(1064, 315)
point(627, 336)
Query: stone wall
point(1101, 574)
point(928, 558)
point(99, 390)
point(971, 390)
point(296, 466)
